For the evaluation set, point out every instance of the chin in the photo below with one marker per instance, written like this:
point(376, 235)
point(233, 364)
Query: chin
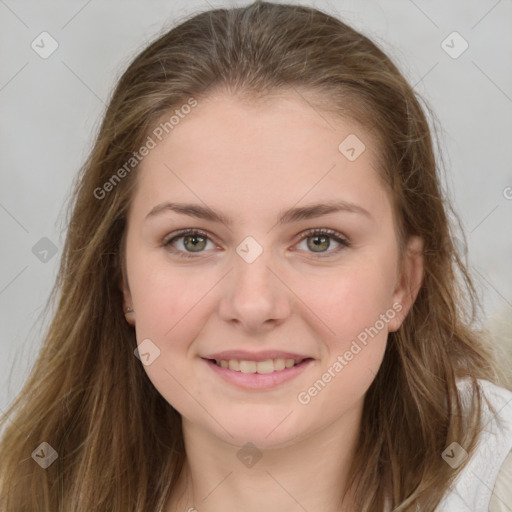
point(264, 431)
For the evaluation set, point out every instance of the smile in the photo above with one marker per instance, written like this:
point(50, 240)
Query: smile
point(258, 375)
point(261, 367)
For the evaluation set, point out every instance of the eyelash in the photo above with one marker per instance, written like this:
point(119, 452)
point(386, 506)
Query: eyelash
point(330, 233)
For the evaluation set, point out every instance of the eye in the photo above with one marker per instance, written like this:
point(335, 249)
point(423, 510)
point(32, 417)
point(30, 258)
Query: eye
point(193, 241)
point(196, 241)
point(321, 241)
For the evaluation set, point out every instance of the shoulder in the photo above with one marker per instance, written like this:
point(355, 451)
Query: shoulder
point(492, 391)
point(496, 408)
point(501, 499)
point(473, 488)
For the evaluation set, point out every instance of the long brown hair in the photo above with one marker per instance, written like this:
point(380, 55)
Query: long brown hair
point(119, 443)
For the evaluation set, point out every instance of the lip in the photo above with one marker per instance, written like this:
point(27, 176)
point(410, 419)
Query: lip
point(242, 355)
point(257, 381)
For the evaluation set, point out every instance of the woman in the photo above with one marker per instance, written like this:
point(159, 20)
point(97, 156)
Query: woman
point(258, 298)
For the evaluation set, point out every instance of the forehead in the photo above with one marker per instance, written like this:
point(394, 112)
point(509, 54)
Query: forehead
point(231, 151)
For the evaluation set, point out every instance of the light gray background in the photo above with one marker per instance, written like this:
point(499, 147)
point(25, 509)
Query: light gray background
point(51, 109)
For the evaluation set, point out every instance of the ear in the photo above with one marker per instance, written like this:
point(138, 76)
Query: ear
point(409, 280)
point(127, 301)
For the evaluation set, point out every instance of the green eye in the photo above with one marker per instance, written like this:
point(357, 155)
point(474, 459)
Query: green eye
point(194, 241)
point(318, 241)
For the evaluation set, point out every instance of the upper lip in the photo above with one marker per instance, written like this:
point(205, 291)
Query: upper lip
point(242, 355)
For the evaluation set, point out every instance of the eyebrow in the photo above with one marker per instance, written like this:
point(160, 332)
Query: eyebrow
point(287, 216)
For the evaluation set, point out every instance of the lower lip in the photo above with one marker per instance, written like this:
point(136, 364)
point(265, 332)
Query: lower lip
point(258, 381)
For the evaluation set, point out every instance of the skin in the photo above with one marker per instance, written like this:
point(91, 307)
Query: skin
point(250, 161)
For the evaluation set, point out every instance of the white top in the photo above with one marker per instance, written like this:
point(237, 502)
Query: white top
point(501, 500)
point(484, 485)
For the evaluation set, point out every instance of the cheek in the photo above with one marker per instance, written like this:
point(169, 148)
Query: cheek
point(351, 300)
point(166, 298)
point(167, 303)
point(357, 311)
point(170, 311)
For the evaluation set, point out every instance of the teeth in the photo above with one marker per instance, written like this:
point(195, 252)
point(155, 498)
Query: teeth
point(265, 366)
point(279, 364)
point(234, 365)
point(248, 366)
point(268, 366)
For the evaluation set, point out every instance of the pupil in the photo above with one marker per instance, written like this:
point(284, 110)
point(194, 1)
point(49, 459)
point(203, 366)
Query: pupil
point(195, 243)
point(317, 244)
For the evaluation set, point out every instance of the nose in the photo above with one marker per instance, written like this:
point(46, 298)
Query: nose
point(255, 296)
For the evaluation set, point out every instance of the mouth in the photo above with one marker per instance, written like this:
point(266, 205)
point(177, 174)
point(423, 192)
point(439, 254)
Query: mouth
point(260, 367)
point(264, 375)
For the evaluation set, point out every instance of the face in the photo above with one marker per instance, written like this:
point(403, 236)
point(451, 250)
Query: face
point(278, 277)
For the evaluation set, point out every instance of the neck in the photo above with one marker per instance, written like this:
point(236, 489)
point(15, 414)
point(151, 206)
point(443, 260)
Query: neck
point(306, 474)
